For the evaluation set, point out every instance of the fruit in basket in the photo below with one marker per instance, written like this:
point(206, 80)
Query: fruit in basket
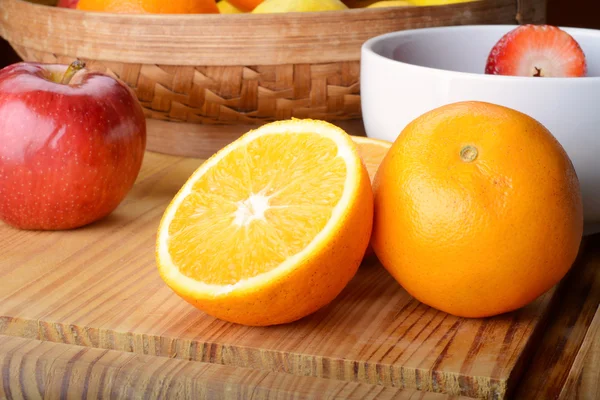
point(245, 5)
point(72, 144)
point(225, 7)
point(282, 6)
point(391, 3)
point(537, 51)
point(478, 209)
point(272, 227)
point(67, 3)
point(371, 151)
point(150, 6)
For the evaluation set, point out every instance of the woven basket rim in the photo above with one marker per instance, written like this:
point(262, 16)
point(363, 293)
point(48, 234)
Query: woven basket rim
point(248, 39)
point(274, 17)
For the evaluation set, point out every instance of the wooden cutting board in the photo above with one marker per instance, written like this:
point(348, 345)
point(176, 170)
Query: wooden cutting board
point(98, 286)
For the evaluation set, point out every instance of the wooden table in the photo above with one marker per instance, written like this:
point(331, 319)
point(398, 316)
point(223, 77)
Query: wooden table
point(84, 314)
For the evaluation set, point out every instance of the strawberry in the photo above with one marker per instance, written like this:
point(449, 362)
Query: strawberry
point(537, 50)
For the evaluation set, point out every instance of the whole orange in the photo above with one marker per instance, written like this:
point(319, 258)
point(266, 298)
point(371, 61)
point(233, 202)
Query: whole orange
point(478, 209)
point(150, 6)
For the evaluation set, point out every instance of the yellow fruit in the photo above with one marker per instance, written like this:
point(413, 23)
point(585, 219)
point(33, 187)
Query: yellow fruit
point(282, 6)
point(226, 7)
point(478, 209)
point(391, 3)
point(438, 2)
point(272, 227)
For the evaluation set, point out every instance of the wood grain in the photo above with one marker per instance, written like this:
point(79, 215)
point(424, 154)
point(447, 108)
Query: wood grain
point(247, 39)
point(202, 141)
point(34, 369)
point(583, 381)
point(98, 287)
point(531, 11)
point(567, 348)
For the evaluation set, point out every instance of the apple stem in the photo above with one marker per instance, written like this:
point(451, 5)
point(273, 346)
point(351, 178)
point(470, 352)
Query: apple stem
point(71, 71)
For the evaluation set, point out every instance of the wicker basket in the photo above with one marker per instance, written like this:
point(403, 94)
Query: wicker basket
point(205, 79)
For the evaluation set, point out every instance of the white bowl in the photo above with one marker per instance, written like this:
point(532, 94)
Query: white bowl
point(405, 74)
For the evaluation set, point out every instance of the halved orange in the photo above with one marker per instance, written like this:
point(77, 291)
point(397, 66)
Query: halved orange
point(371, 151)
point(272, 227)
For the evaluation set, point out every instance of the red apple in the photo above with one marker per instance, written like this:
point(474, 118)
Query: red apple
point(67, 3)
point(71, 145)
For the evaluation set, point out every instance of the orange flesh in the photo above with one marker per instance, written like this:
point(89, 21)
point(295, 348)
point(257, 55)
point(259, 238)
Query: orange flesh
point(372, 155)
point(273, 214)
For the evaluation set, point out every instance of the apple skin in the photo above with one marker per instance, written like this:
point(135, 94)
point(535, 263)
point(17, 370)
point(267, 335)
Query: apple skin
point(67, 3)
point(69, 153)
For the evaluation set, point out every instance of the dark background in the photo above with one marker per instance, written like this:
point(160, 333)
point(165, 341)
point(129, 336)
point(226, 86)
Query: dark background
point(573, 13)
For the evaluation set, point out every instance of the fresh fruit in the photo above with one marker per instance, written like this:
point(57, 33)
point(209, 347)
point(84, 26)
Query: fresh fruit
point(72, 145)
point(150, 6)
point(390, 3)
point(272, 227)
point(245, 5)
point(537, 51)
point(371, 151)
point(477, 209)
point(67, 3)
point(225, 7)
point(282, 6)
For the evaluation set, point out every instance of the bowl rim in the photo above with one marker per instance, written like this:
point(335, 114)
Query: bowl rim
point(367, 50)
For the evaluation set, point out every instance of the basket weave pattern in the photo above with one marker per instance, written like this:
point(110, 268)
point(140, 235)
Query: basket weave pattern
point(204, 80)
point(235, 69)
point(234, 94)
